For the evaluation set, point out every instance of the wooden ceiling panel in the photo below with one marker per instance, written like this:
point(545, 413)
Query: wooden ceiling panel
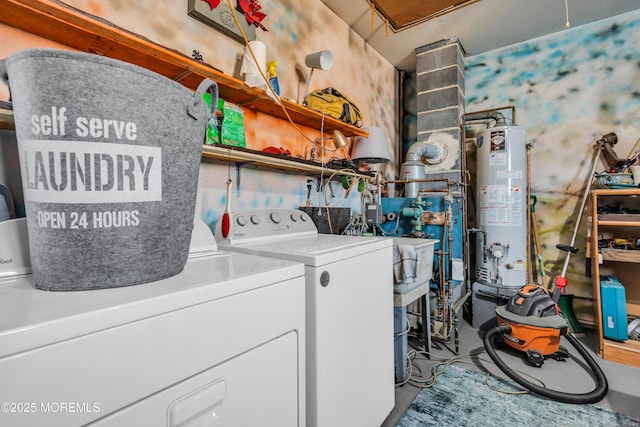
point(407, 13)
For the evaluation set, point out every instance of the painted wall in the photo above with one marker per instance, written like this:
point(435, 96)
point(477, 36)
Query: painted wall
point(568, 89)
point(295, 29)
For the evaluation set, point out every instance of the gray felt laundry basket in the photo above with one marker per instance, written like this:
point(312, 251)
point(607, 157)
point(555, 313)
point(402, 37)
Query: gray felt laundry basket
point(109, 154)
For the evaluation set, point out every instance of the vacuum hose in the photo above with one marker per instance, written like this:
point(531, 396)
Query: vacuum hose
point(593, 396)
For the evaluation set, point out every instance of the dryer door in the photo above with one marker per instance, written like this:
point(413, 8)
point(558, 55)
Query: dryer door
point(257, 388)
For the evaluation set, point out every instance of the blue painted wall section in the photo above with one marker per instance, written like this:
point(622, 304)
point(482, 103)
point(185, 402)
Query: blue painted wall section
point(451, 249)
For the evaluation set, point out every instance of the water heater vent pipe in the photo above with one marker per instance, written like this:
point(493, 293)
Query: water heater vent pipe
point(486, 115)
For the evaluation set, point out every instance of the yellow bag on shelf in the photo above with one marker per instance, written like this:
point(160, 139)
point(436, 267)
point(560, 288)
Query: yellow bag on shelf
point(334, 104)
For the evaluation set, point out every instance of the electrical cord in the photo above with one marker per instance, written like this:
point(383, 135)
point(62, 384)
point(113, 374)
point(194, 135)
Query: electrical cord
point(440, 368)
point(355, 227)
point(406, 331)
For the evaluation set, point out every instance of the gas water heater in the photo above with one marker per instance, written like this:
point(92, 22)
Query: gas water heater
point(502, 208)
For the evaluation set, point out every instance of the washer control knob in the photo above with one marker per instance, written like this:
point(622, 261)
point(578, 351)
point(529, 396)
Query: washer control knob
point(294, 217)
point(242, 221)
point(303, 217)
point(255, 219)
point(275, 217)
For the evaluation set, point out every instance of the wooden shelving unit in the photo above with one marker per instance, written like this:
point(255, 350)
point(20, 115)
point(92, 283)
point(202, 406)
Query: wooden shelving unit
point(627, 352)
point(59, 22)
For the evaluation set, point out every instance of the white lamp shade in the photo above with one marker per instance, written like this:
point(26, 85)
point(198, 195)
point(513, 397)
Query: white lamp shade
point(371, 150)
point(322, 60)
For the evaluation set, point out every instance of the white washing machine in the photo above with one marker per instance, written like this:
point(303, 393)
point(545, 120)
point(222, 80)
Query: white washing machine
point(220, 344)
point(349, 289)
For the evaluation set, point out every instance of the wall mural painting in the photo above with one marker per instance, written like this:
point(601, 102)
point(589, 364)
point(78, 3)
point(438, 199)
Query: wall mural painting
point(569, 89)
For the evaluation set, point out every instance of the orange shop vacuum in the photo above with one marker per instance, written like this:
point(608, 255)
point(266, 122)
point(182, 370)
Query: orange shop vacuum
point(531, 322)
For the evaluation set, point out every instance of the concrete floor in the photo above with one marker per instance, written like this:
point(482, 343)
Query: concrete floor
point(568, 376)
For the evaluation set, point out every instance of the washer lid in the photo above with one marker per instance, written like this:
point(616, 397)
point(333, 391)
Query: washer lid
point(31, 318)
point(315, 250)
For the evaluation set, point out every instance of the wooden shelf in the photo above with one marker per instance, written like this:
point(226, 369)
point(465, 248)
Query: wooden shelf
point(619, 223)
point(633, 309)
point(627, 352)
point(616, 192)
point(61, 23)
point(619, 218)
point(620, 255)
point(225, 153)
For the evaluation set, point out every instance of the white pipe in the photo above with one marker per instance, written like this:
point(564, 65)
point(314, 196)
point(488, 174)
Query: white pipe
point(424, 149)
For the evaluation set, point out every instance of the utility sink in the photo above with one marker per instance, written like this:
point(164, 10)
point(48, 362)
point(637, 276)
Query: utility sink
point(406, 292)
point(424, 261)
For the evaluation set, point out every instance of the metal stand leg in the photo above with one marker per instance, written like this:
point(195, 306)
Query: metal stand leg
point(400, 343)
point(426, 324)
point(456, 334)
point(457, 307)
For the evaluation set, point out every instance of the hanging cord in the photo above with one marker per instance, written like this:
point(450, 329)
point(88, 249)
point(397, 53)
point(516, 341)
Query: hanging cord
point(566, 10)
point(373, 15)
point(322, 154)
point(264, 77)
point(373, 19)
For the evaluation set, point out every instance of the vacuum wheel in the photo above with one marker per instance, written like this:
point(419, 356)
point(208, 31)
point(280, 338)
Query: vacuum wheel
point(535, 358)
point(561, 355)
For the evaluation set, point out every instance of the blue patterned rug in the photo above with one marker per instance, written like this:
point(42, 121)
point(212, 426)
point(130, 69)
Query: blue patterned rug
point(461, 397)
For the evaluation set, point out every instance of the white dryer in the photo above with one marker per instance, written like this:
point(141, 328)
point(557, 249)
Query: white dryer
point(349, 290)
point(221, 343)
